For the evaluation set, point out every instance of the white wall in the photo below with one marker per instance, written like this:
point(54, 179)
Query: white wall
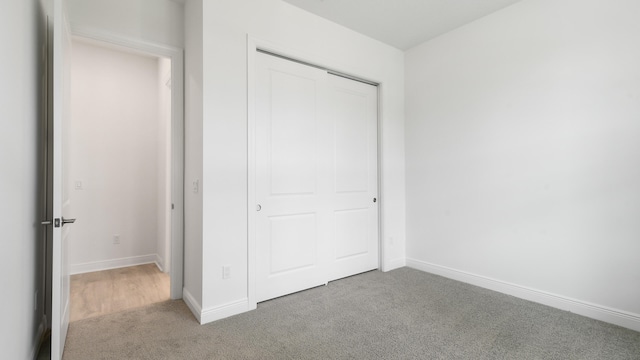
point(114, 152)
point(193, 221)
point(156, 21)
point(21, 111)
point(226, 24)
point(523, 154)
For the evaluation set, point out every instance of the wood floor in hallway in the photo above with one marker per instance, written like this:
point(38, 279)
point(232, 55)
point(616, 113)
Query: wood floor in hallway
point(105, 292)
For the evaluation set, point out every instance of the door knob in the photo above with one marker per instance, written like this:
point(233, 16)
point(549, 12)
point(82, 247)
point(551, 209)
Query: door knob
point(56, 222)
point(67, 221)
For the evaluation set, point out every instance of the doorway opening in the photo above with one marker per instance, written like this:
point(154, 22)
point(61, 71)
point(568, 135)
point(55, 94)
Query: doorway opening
point(124, 174)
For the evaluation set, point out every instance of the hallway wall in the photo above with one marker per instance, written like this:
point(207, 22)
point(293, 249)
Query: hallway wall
point(115, 158)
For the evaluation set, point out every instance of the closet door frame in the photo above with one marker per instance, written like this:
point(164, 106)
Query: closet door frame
point(253, 46)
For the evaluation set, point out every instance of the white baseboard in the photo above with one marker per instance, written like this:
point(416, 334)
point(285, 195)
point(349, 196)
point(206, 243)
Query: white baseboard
point(224, 311)
point(112, 264)
point(594, 311)
point(192, 304)
point(159, 263)
point(215, 313)
point(394, 264)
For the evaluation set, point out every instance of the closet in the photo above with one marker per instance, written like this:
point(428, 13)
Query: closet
point(316, 177)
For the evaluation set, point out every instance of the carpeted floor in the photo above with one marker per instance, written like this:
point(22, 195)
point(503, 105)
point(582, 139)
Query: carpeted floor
point(402, 314)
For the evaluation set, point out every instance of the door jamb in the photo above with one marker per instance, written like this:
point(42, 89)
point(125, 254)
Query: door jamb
point(253, 44)
point(177, 137)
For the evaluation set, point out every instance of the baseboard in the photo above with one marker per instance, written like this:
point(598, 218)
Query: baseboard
point(224, 311)
point(112, 264)
point(192, 304)
point(594, 311)
point(394, 264)
point(159, 263)
point(215, 313)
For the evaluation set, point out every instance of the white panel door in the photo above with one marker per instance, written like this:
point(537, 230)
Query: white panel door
point(354, 117)
point(61, 41)
point(315, 177)
point(291, 177)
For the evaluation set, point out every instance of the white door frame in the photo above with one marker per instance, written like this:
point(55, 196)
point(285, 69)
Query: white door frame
point(177, 138)
point(253, 45)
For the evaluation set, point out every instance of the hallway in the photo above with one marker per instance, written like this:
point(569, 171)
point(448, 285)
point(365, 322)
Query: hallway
point(110, 291)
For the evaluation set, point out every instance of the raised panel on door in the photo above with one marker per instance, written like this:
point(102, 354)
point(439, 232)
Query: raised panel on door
point(353, 111)
point(290, 182)
point(291, 134)
point(352, 233)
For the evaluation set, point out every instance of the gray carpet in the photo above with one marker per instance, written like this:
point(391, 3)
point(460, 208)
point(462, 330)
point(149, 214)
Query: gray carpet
point(402, 314)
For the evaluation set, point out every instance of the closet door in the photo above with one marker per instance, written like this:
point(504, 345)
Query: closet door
point(354, 118)
point(293, 171)
point(316, 177)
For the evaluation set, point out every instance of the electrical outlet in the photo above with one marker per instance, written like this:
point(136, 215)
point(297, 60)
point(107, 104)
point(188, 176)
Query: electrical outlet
point(116, 239)
point(226, 272)
point(196, 186)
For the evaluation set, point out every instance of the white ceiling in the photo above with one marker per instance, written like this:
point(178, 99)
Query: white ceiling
point(402, 23)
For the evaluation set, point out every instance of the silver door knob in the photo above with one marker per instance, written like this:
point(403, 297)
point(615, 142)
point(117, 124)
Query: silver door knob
point(67, 221)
